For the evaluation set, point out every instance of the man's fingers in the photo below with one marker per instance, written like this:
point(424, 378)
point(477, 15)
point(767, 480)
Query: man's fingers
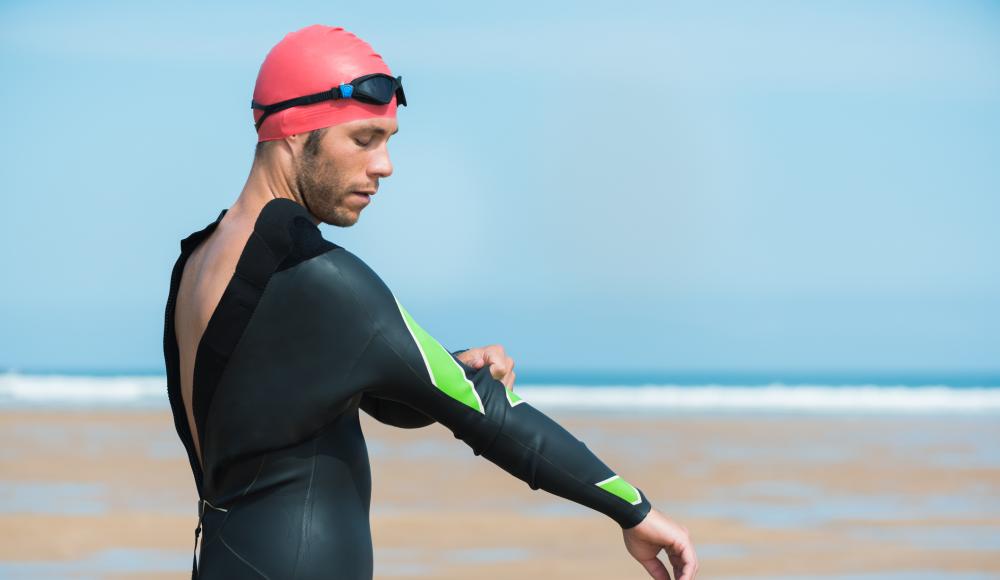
point(656, 568)
point(684, 573)
point(504, 376)
point(684, 563)
point(472, 357)
point(500, 367)
point(679, 572)
point(501, 364)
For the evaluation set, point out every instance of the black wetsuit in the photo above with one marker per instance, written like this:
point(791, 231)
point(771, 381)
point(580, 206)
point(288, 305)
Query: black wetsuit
point(306, 334)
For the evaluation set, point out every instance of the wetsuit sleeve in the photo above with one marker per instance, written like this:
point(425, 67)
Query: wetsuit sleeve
point(395, 413)
point(400, 361)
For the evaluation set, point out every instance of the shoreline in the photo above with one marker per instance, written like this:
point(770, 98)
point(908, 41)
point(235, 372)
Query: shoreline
point(763, 495)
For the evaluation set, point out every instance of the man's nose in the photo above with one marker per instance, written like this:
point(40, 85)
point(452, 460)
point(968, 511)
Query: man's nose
point(380, 165)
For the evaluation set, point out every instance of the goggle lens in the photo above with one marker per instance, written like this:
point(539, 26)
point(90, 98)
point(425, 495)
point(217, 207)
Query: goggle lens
point(379, 89)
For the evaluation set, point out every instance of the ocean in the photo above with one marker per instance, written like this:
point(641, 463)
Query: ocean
point(606, 391)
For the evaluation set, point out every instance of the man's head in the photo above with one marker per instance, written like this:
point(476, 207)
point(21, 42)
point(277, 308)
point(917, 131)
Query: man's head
point(328, 149)
point(335, 170)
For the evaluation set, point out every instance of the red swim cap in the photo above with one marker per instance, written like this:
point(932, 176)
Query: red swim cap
point(310, 60)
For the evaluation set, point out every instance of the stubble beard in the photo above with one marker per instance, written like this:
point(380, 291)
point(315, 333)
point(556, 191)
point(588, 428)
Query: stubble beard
point(318, 185)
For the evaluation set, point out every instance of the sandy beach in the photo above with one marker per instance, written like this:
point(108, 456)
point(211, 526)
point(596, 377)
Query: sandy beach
point(109, 494)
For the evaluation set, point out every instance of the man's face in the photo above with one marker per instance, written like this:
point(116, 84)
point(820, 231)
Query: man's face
point(338, 175)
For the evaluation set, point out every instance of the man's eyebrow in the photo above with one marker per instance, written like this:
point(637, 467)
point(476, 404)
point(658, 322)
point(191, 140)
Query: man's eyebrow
point(378, 130)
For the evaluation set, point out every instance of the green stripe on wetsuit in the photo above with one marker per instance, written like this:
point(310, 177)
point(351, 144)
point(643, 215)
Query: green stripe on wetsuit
point(512, 398)
point(623, 489)
point(445, 373)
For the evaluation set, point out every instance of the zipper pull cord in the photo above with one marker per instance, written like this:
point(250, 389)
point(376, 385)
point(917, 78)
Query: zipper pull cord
point(197, 533)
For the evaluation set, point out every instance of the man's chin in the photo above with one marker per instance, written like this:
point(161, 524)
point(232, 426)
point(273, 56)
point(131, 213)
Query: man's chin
point(342, 221)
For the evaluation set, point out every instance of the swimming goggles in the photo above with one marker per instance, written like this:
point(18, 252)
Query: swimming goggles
point(377, 89)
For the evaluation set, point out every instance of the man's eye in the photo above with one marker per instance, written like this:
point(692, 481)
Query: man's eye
point(362, 144)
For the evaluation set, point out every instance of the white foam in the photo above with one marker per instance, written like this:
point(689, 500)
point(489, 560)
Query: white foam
point(61, 390)
point(774, 397)
point(19, 390)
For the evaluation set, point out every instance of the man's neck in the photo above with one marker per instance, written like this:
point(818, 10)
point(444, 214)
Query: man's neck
point(267, 181)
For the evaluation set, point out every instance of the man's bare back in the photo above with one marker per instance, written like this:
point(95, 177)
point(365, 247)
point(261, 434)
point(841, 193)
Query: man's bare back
point(203, 281)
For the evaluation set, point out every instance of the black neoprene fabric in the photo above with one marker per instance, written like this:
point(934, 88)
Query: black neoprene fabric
point(305, 335)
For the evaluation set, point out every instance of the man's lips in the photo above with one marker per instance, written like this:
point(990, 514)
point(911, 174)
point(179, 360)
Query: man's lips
point(363, 195)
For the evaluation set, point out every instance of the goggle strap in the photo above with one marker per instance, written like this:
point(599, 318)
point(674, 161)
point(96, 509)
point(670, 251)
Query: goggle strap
point(327, 95)
point(333, 93)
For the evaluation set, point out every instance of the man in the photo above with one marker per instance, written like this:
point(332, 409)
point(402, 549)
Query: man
point(274, 338)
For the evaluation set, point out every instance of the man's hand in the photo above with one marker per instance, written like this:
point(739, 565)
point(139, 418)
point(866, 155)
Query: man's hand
point(501, 365)
point(655, 532)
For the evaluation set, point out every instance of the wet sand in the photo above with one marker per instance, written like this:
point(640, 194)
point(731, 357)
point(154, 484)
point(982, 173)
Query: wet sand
point(109, 494)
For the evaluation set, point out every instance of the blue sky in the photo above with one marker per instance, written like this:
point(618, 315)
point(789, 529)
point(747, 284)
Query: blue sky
point(741, 186)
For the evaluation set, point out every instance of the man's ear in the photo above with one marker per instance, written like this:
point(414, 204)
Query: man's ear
point(293, 144)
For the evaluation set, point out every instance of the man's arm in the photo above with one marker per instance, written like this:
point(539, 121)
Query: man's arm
point(400, 361)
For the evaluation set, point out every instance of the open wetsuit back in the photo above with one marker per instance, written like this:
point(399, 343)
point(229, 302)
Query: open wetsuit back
point(304, 335)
